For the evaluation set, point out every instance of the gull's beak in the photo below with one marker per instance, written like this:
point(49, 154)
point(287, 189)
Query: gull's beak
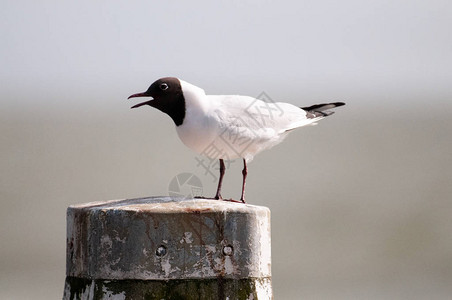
point(140, 95)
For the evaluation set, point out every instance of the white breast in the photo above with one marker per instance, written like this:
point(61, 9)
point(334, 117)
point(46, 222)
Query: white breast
point(198, 129)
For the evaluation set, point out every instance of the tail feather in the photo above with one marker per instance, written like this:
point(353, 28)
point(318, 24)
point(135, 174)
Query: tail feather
point(320, 110)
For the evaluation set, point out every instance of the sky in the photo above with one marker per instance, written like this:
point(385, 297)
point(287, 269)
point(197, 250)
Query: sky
point(60, 52)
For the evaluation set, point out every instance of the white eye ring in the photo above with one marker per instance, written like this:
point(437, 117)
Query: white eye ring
point(163, 86)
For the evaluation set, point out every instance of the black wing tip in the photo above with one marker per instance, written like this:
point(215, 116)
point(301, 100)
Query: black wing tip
point(321, 110)
point(323, 106)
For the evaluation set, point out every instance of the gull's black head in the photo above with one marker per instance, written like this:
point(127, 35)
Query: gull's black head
point(167, 96)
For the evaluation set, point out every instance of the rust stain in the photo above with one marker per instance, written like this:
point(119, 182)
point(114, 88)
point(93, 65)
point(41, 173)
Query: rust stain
point(197, 210)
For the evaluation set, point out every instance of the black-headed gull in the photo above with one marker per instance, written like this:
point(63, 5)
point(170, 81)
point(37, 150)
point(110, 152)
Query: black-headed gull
point(231, 126)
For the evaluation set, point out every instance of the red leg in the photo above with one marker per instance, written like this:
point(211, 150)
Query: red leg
point(244, 173)
point(220, 181)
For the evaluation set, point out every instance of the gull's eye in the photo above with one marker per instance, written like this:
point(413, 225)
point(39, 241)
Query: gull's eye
point(163, 86)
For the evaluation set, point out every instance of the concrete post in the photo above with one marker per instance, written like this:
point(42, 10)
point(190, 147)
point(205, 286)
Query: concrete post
point(168, 248)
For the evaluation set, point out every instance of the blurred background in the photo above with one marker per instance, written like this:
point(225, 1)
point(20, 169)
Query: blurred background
point(361, 204)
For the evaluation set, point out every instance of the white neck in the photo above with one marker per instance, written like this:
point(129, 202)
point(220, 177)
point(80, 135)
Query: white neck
point(194, 97)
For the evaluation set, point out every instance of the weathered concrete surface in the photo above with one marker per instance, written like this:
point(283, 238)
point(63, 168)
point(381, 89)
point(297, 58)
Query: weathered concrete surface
point(162, 241)
point(188, 289)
